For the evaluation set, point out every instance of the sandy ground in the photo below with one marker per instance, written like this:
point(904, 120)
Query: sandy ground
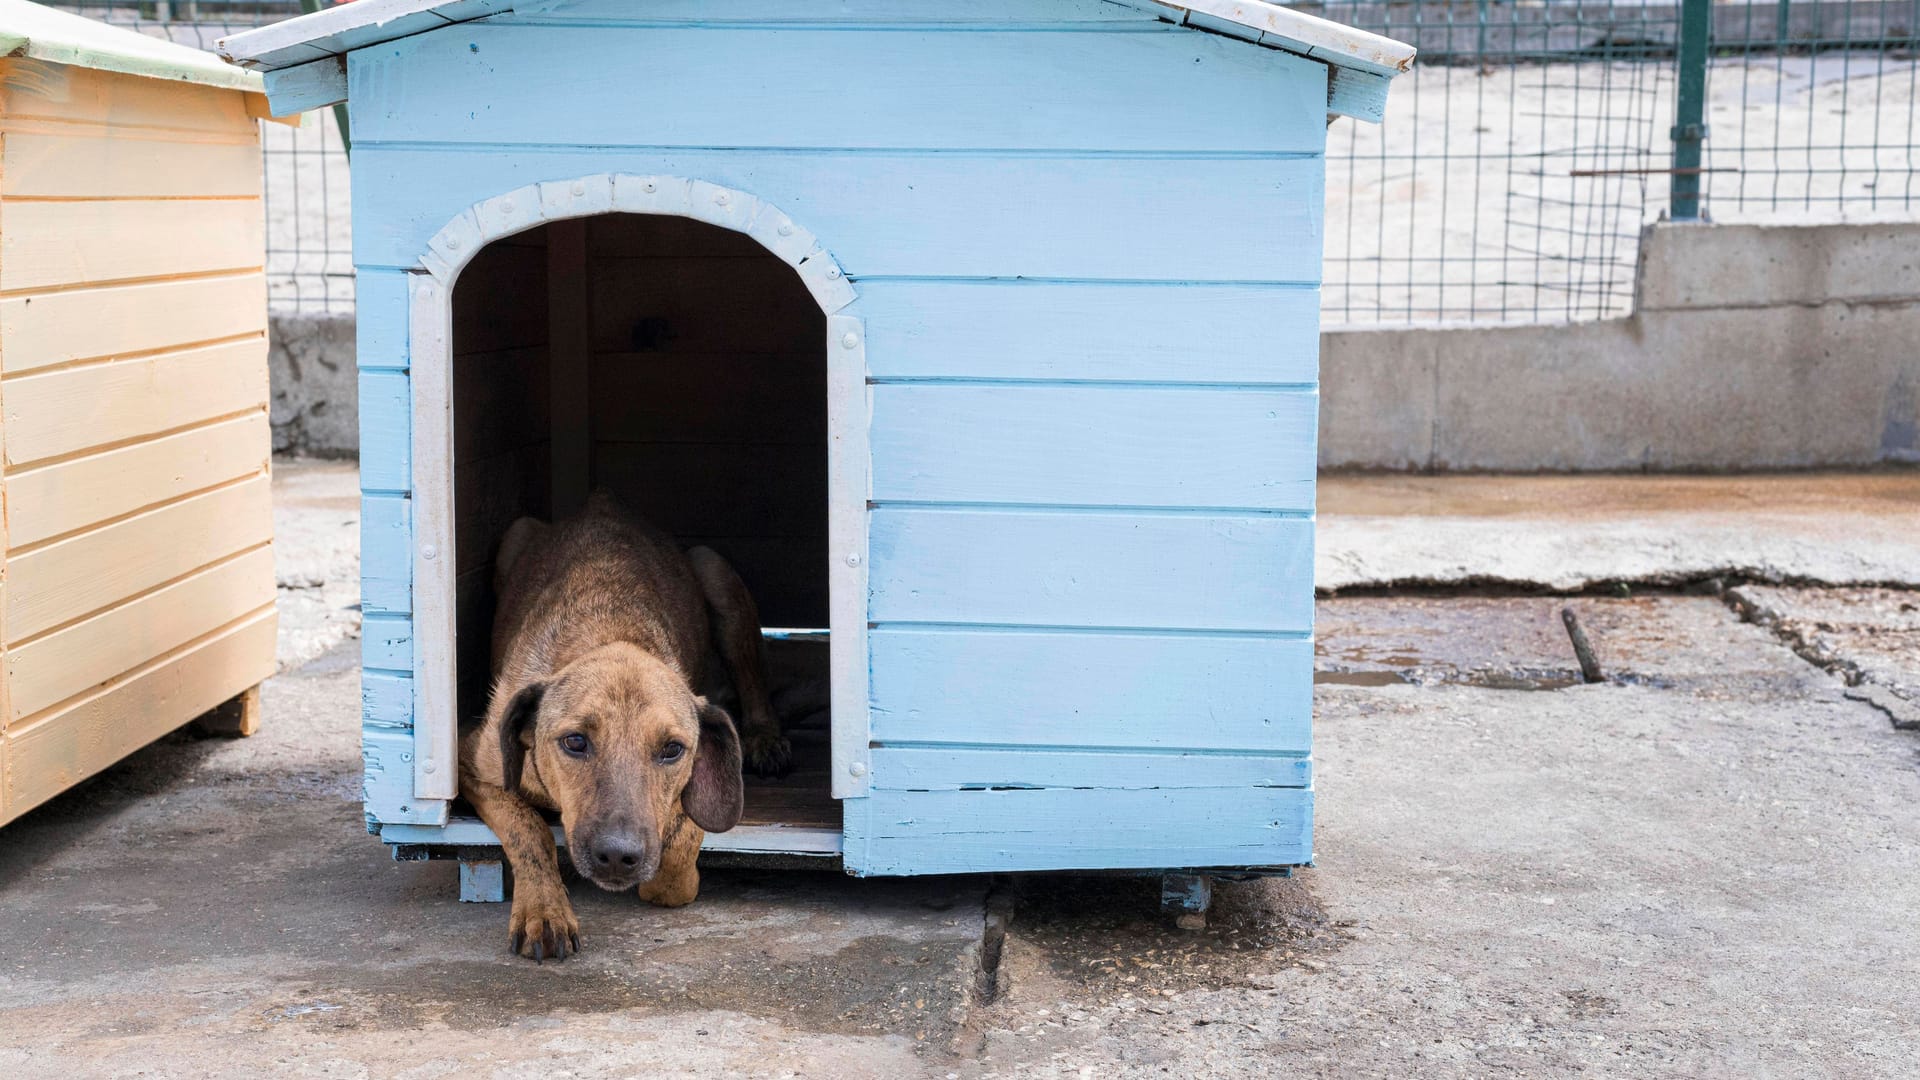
point(1702, 866)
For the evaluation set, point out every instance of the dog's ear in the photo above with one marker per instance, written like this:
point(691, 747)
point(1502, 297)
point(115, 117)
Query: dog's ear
point(516, 731)
point(714, 798)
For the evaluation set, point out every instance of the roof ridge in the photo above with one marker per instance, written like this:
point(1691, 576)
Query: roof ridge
point(1362, 62)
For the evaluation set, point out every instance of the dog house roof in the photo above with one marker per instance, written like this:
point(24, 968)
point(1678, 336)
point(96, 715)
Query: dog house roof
point(59, 37)
point(1362, 63)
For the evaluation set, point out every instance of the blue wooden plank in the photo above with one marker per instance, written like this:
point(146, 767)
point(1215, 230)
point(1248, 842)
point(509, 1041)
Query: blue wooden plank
point(386, 432)
point(386, 699)
point(1044, 330)
point(1170, 691)
point(1087, 91)
point(992, 13)
point(386, 642)
point(1095, 445)
point(974, 832)
point(386, 555)
point(1116, 217)
point(312, 85)
point(1359, 94)
point(977, 769)
point(381, 327)
point(1092, 569)
point(387, 760)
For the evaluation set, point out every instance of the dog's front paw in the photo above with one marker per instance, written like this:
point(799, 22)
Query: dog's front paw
point(543, 928)
point(767, 753)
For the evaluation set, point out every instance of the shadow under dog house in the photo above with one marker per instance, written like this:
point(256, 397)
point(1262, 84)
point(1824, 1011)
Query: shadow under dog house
point(981, 337)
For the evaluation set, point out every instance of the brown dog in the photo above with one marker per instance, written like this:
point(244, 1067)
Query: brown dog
point(604, 630)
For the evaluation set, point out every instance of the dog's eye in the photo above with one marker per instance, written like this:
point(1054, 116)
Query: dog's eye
point(575, 744)
point(672, 752)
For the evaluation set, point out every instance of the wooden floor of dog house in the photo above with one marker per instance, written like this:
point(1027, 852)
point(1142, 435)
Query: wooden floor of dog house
point(799, 799)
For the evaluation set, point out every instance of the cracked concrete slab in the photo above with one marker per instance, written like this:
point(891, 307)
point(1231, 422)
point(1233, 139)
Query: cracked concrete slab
point(1571, 533)
point(1869, 636)
point(215, 908)
point(1606, 879)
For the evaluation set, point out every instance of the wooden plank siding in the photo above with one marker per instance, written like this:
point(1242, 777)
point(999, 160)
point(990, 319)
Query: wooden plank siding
point(1066, 215)
point(1087, 265)
point(972, 832)
point(139, 567)
point(1023, 91)
point(52, 753)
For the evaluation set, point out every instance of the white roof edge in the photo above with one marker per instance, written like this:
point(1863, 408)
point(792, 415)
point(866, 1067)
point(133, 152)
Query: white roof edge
point(1284, 28)
point(60, 37)
point(303, 39)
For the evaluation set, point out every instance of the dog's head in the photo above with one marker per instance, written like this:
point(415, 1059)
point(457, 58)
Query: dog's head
point(624, 747)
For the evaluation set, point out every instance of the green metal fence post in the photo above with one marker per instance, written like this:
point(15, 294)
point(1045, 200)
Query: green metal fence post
point(1689, 113)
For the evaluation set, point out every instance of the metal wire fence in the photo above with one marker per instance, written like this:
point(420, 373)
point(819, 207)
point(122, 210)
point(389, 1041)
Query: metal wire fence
point(1510, 183)
point(1533, 141)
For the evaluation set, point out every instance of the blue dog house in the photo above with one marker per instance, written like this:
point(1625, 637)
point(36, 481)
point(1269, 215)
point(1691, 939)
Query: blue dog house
point(980, 335)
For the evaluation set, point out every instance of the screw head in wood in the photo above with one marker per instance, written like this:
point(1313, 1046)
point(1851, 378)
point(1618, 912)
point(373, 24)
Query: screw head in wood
point(858, 768)
point(427, 767)
point(429, 552)
point(579, 188)
point(853, 560)
point(786, 229)
point(850, 340)
point(833, 273)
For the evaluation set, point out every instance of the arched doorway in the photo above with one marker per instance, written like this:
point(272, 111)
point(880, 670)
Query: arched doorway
point(684, 368)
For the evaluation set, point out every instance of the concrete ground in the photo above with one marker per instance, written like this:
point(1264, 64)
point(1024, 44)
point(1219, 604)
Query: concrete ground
point(1705, 865)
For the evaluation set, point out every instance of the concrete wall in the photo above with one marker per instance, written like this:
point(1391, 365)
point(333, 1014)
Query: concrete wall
point(315, 404)
point(1751, 347)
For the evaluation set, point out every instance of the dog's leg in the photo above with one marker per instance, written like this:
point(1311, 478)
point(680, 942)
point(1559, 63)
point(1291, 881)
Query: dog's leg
point(678, 881)
point(736, 633)
point(542, 925)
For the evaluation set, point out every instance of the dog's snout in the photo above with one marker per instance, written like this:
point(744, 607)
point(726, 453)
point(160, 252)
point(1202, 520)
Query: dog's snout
point(618, 853)
point(616, 857)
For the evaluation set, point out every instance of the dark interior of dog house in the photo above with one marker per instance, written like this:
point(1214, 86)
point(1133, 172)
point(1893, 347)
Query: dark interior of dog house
point(682, 368)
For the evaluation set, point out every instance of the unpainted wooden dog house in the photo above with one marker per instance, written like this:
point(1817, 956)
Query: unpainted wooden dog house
point(980, 336)
point(138, 524)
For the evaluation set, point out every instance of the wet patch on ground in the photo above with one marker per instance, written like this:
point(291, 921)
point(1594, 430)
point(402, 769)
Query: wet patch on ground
point(1521, 643)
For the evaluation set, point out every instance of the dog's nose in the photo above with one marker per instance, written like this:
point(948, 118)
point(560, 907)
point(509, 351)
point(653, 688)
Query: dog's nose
point(618, 852)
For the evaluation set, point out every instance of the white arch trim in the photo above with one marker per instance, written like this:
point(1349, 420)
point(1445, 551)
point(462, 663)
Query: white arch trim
point(430, 364)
